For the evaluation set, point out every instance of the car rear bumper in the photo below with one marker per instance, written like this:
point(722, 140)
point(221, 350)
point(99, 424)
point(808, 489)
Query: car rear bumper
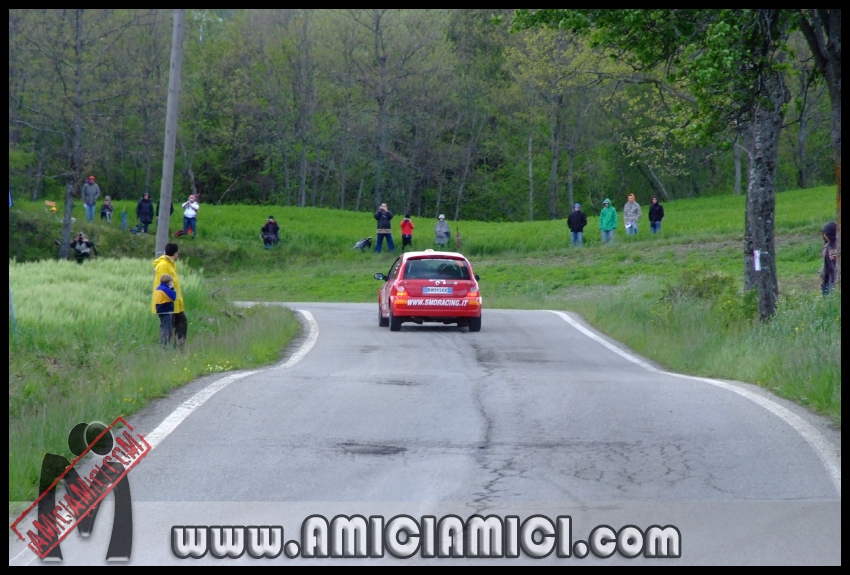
point(426, 307)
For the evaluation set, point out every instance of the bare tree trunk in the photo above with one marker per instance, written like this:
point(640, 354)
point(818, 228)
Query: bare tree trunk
point(555, 144)
point(761, 192)
point(658, 181)
point(193, 188)
point(39, 169)
point(822, 29)
point(73, 179)
point(342, 177)
point(317, 171)
point(359, 193)
point(302, 185)
point(530, 177)
point(283, 157)
point(802, 134)
point(736, 152)
point(571, 162)
point(382, 150)
point(439, 193)
point(473, 138)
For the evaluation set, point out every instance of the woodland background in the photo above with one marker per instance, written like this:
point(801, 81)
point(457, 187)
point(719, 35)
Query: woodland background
point(430, 111)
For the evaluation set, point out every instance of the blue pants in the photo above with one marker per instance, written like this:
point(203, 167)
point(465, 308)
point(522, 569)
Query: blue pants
point(607, 236)
point(390, 243)
point(89, 212)
point(632, 230)
point(575, 237)
point(190, 223)
point(655, 227)
point(164, 328)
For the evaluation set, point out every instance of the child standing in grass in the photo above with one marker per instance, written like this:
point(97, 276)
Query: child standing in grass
point(164, 297)
point(406, 232)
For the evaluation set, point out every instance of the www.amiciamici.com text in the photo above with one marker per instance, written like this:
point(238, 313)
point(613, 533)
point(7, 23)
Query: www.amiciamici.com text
point(404, 537)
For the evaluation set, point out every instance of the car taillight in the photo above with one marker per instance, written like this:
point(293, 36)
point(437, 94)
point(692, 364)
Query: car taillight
point(399, 291)
point(473, 291)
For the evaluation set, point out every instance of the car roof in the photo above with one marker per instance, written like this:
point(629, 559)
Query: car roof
point(433, 254)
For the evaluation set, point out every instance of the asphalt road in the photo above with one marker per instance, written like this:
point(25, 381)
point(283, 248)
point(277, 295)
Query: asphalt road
point(529, 416)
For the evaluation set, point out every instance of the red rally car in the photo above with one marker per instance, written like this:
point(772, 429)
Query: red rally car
point(429, 286)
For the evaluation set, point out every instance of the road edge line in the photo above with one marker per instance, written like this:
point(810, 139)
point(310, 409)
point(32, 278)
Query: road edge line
point(825, 450)
point(184, 410)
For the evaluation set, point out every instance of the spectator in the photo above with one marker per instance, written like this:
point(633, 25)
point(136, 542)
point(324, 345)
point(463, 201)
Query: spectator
point(106, 209)
point(576, 222)
point(631, 215)
point(90, 193)
point(406, 232)
point(164, 297)
point(82, 248)
point(829, 257)
point(190, 217)
point(384, 216)
point(167, 264)
point(270, 233)
point(144, 211)
point(656, 214)
point(607, 221)
point(442, 232)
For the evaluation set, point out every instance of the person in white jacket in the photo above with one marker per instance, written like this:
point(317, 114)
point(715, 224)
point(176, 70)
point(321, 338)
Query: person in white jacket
point(190, 217)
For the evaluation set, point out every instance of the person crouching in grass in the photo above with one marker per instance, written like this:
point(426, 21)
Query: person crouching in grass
point(164, 297)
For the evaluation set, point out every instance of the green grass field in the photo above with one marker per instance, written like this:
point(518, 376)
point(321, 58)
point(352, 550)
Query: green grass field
point(86, 332)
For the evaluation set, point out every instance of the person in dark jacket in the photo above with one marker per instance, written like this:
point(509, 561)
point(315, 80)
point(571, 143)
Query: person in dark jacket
point(829, 257)
point(384, 217)
point(144, 211)
point(656, 214)
point(270, 233)
point(576, 222)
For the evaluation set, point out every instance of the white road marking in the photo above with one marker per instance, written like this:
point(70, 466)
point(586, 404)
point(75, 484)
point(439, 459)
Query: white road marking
point(190, 405)
point(180, 414)
point(827, 452)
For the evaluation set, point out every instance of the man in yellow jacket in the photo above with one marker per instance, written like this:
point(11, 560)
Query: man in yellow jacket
point(167, 264)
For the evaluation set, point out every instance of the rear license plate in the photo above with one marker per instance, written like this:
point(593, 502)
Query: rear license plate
point(447, 290)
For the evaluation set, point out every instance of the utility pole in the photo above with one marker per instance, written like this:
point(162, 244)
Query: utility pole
point(171, 114)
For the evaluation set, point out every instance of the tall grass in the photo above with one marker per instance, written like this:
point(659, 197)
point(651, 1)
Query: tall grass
point(797, 354)
point(85, 348)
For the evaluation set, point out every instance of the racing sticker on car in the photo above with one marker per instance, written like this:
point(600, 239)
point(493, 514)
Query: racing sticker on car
point(436, 301)
point(446, 290)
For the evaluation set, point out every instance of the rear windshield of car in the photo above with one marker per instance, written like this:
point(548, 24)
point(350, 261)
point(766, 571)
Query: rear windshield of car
point(436, 269)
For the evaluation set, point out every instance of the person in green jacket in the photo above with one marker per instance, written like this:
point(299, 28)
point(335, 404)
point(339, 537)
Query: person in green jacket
point(607, 221)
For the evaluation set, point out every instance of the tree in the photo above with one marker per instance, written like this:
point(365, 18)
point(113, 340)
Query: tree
point(73, 50)
point(822, 29)
point(730, 64)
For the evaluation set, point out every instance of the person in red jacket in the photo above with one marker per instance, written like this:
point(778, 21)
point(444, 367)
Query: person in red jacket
point(406, 232)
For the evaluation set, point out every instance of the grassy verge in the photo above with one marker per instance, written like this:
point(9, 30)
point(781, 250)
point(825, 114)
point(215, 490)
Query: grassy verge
point(96, 363)
point(85, 349)
point(797, 355)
